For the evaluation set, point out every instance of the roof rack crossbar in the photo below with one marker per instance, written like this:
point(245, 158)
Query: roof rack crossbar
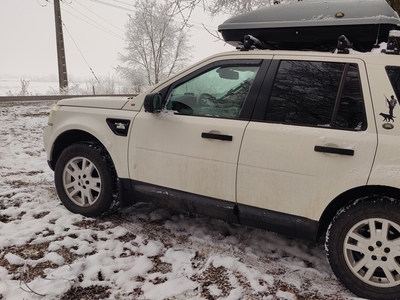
point(393, 42)
point(250, 42)
point(343, 45)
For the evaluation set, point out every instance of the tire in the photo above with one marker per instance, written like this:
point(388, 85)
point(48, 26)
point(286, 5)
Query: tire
point(363, 248)
point(86, 180)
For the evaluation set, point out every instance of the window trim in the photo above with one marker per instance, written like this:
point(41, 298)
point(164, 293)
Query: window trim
point(339, 95)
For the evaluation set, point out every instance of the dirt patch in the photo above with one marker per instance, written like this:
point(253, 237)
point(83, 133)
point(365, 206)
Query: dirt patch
point(69, 257)
point(160, 266)
point(217, 277)
point(93, 292)
point(36, 114)
point(29, 269)
point(94, 224)
point(128, 237)
point(8, 219)
point(5, 219)
point(41, 215)
point(16, 184)
point(301, 294)
point(30, 254)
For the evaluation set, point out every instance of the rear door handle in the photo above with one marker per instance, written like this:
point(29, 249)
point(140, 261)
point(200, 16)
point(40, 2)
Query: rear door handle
point(333, 150)
point(216, 136)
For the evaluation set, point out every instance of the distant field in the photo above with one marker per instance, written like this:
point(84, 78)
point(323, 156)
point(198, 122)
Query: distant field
point(14, 87)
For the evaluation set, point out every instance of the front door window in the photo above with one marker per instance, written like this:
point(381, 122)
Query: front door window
point(219, 92)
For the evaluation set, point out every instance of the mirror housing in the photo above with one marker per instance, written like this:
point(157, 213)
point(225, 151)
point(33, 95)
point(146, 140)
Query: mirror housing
point(227, 73)
point(152, 103)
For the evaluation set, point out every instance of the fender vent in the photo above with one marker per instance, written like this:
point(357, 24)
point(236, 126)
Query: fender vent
point(119, 126)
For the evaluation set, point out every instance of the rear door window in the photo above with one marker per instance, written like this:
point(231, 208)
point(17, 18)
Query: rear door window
point(312, 93)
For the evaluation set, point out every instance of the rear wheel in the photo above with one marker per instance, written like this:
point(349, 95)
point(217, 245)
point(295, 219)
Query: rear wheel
point(363, 248)
point(85, 179)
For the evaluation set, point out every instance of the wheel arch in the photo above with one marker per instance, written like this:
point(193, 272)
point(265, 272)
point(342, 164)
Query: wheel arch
point(350, 196)
point(68, 138)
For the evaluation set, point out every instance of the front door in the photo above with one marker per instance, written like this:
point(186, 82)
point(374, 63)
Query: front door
point(193, 144)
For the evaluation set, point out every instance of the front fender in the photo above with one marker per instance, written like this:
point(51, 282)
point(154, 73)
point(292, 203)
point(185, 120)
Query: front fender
point(72, 125)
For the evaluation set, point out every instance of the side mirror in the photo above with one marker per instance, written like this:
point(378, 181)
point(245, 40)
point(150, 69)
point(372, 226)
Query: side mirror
point(227, 73)
point(152, 103)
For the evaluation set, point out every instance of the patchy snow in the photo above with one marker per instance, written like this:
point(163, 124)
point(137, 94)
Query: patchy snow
point(142, 252)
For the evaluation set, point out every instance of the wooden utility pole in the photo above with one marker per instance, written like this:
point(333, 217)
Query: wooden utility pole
point(62, 66)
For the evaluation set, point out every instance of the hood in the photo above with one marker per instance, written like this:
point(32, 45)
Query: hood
point(96, 102)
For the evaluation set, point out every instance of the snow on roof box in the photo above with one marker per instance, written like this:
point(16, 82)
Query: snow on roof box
point(314, 25)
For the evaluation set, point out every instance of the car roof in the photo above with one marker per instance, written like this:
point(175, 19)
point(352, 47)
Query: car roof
point(375, 56)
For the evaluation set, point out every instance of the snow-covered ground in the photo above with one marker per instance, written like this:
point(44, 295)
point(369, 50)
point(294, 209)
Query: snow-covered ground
point(142, 252)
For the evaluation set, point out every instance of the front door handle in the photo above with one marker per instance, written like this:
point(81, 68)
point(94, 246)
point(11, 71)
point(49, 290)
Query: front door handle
point(216, 136)
point(334, 150)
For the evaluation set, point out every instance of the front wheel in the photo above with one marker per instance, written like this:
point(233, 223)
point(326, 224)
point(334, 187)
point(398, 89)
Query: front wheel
point(363, 248)
point(85, 180)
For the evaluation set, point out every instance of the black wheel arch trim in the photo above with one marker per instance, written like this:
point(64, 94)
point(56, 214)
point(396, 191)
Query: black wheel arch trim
point(66, 139)
point(347, 197)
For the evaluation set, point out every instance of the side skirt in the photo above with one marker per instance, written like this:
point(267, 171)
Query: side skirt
point(290, 225)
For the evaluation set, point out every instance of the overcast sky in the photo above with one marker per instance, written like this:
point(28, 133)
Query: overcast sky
point(93, 31)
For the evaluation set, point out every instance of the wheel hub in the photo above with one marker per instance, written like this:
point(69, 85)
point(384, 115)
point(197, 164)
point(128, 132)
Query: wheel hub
point(372, 252)
point(82, 181)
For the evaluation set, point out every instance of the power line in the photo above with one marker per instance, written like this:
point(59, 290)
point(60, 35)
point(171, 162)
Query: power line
point(80, 52)
point(125, 3)
point(113, 5)
point(102, 28)
point(42, 5)
point(99, 16)
point(106, 31)
point(193, 23)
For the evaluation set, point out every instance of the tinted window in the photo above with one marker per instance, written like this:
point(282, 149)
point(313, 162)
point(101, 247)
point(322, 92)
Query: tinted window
point(314, 94)
point(219, 92)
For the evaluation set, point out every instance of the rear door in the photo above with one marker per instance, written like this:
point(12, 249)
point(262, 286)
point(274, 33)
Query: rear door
point(310, 140)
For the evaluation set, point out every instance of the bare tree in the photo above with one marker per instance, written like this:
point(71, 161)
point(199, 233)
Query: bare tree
point(237, 6)
point(395, 4)
point(24, 87)
point(135, 78)
point(230, 7)
point(156, 44)
point(234, 7)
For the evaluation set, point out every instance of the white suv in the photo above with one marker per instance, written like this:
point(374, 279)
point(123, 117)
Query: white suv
point(301, 143)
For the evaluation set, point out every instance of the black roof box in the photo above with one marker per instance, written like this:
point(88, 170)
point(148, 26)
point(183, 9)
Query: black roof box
point(314, 25)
